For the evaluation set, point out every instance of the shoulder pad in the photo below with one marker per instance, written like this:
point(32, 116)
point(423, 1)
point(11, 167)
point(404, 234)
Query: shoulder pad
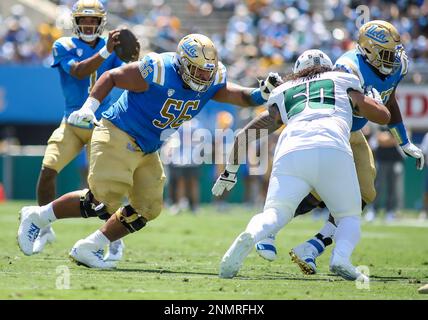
point(220, 77)
point(404, 65)
point(152, 68)
point(64, 43)
point(349, 65)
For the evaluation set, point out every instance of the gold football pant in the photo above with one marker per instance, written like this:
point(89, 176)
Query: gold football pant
point(119, 169)
point(64, 145)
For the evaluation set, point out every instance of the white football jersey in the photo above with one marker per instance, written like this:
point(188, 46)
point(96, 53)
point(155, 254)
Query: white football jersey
point(317, 112)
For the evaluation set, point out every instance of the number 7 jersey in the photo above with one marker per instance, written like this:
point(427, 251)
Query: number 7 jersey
point(317, 111)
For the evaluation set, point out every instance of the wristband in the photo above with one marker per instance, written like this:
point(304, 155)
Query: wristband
point(399, 132)
point(256, 97)
point(104, 52)
point(92, 104)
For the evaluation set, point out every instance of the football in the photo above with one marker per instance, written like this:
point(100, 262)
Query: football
point(129, 48)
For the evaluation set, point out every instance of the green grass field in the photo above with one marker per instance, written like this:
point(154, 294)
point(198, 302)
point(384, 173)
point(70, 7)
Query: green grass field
point(177, 257)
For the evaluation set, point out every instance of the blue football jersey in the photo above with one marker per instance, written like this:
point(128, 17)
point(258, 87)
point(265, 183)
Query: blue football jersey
point(354, 62)
point(151, 116)
point(68, 50)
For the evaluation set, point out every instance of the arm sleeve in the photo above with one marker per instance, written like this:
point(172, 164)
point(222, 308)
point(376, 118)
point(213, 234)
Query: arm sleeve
point(62, 57)
point(277, 97)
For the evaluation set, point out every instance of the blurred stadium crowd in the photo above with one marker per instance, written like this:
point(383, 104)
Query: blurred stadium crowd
point(258, 34)
point(253, 37)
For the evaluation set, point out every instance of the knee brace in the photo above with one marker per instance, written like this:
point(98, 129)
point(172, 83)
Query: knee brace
point(132, 220)
point(89, 209)
point(308, 203)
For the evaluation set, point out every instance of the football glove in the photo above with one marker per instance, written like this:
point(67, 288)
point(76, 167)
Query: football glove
point(375, 95)
point(226, 181)
point(266, 86)
point(86, 114)
point(82, 117)
point(414, 152)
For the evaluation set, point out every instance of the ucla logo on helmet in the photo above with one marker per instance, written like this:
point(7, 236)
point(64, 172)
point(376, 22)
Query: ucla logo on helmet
point(377, 35)
point(190, 49)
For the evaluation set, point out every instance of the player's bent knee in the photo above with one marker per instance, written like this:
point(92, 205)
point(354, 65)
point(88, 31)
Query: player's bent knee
point(154, 210)
point(131, 219)
point(89, 206)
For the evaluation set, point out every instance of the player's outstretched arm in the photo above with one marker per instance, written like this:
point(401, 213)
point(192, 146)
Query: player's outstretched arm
point(83, 69)
point(264, 124)
point(236, 94)
point(127, 77)
point(370, 108)
point(398, 130)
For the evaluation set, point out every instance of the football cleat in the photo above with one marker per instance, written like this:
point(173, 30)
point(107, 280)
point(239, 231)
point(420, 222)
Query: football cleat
point(115, 251)
point(344, 268)
point(233, 258)
point(46, 235)
point(305, 254)
point(266, 248)
point(423, 289)
point(29, 228)
point(90, 255)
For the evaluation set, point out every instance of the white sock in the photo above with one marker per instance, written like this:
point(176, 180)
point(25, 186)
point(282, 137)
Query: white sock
point(347, 236)
point(47, 215)
point(98, 238)
point(328, 230)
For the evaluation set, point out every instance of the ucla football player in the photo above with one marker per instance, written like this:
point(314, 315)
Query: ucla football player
point(161, 92)
point(380, 62)
point(80, 60)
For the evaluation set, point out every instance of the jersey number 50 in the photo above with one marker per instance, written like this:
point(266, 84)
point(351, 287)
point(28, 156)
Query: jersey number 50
point(315, 94)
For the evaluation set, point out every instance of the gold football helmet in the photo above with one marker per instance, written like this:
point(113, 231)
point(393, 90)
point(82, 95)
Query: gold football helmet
point(198, 61)
point(88, 8)
point(380, 42)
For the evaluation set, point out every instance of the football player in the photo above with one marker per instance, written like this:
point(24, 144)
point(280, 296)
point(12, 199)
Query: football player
point(313, 152)
point(161, 92)
point(80, 61)
point(379, 61)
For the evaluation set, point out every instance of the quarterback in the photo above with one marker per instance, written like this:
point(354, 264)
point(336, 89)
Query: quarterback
point(380, 62)
point(80, 60)
point(313, 152)
point(161, 92)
